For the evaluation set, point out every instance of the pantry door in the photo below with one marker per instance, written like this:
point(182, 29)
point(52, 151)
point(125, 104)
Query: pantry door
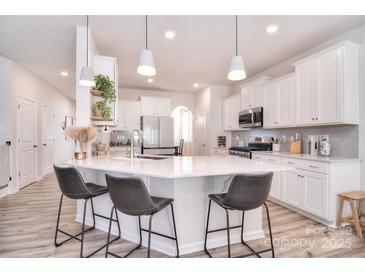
point(27, 141)
point(199, 133)
point(48, 139)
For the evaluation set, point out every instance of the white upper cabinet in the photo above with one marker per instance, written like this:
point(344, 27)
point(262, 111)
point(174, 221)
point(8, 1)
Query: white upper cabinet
point(231, 109)
point(328, 86)
point(129, 113)
point(279, 102)
point(251, 93)
point(155, 106)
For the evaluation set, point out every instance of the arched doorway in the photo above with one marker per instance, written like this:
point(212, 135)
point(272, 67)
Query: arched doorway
point(183, 127)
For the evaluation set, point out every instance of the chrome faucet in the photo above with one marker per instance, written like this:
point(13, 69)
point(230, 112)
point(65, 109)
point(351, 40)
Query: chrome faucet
point(132, 141)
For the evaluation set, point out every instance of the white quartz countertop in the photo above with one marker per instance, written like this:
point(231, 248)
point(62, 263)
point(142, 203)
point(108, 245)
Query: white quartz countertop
point(307, 156)
point(178, 167)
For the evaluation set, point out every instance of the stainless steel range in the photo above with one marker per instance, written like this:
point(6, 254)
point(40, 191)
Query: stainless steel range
point(246, 152)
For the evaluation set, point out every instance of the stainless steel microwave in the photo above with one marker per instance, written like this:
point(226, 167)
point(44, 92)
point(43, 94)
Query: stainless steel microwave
point(251, 118)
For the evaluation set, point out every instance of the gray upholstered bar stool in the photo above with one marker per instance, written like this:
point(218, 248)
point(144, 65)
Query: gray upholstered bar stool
point(246, 192)
point(73, 186)
point(130, 196)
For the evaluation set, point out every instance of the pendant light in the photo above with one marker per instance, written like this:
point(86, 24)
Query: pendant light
point(237, 68)
point(146, 64)
point(87, 76)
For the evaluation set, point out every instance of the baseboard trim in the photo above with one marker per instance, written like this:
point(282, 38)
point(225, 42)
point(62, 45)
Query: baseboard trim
point(170, 250)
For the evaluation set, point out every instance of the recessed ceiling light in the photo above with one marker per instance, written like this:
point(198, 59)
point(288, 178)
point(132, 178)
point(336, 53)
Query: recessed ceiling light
point(272, 28)
point(150, 80)
point(196, 85)
point(64, 73)
point(169, 34)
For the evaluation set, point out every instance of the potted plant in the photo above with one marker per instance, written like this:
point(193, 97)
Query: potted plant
point(102, 109)
point(82, 135)
point(104, 87)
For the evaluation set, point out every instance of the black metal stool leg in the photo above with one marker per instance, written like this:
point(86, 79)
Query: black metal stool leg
point(228, 234)
point(175, 233)
point(58, 222)
point(243, 224)
point(93, 212)
point(206, 230)
point(118, 224)
point(110, 228)
point(83, 229)
point(149, 236)
point(270, 232)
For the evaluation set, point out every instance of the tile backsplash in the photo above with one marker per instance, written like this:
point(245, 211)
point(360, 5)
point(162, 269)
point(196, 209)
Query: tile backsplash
point(344, 139)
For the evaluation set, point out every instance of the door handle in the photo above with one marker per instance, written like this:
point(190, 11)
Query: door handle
point(44, 145)
point(35, 146)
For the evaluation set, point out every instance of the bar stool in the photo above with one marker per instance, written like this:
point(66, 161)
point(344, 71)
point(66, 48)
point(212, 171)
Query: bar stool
point(355, 199)
point(130, 196)
point(73, 186)
point(246, 192)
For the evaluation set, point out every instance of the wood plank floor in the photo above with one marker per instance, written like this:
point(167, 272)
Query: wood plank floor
point(28, 218)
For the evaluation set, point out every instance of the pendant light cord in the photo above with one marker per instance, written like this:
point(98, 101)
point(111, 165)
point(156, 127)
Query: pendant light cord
point(87, 40)
point(146, 31)
point(236, 37)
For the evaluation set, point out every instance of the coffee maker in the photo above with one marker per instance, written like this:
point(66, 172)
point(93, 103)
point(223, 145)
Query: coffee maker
point(313, 144)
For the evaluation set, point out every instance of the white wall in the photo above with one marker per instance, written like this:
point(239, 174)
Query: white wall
point(356, 35)
point(177, 98)
point(202, 103)
point(27, 85)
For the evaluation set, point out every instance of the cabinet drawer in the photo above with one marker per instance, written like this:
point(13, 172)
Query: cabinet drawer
point(306, 165)
point(266, 158)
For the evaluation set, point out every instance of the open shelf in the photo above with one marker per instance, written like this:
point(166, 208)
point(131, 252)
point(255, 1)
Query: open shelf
point(95, 92)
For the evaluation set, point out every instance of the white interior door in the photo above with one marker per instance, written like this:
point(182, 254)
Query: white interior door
point(27, 141)
point(199, 134)
point(48, 139)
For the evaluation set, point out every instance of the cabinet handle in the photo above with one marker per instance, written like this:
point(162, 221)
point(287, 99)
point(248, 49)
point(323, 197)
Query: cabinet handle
point(316, 118)
point(298, 175)
point(272, 160)
point(302, 176)
point(312, 119)
point(313, 166)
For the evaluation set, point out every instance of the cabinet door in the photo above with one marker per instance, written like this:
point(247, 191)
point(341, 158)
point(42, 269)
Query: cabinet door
point(329, 88)
point(226, 114)
point(275, 191)
point(132, 115)
point(148, 106)
point(163, 107)
point(271, 106)
point(287, 102)
point(246, 98)
point(256, 95)
point(305, 82)
point(292, 190)
point(236, 107)
point(121, 121)
point(315, 193)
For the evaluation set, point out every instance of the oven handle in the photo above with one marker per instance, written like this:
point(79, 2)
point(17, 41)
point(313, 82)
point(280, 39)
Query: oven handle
point(252, 117)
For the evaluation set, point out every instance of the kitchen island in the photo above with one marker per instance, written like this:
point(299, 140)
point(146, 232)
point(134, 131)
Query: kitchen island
point(188, 180)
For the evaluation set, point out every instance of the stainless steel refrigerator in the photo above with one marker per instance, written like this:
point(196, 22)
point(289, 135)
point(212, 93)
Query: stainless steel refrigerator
point(157, 135)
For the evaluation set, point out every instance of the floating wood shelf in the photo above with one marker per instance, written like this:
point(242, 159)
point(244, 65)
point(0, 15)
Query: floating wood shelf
point(96, 92)
point(97, 118)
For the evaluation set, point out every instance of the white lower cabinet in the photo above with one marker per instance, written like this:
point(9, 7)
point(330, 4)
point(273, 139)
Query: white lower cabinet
point(315, 193)
point(311, 187)
point(292, 192)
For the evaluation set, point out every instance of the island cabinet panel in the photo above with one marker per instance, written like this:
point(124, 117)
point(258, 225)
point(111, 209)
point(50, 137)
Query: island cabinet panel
point(328, 86)
point(231, 109)
point(155, 106)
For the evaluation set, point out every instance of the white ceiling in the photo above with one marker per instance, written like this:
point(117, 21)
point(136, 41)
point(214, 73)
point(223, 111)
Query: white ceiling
point(200, 52)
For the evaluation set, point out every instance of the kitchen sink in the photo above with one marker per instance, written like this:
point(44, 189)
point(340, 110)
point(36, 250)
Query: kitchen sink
point(140, 157)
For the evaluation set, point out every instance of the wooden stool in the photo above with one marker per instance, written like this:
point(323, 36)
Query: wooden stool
point(355, 199)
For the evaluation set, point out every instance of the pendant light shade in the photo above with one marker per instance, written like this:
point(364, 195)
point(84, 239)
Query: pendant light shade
point(146, 65)
point(237, 69)
point(87, 75)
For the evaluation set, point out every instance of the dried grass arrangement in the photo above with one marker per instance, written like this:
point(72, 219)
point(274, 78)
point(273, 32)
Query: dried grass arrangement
point(82, 134)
